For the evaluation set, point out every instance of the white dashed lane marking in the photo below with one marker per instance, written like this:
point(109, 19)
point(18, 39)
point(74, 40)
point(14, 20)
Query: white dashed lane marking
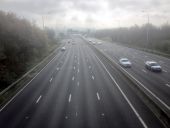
point(73, 78)
point(38, 99)
point(164, 71)
point(98, 97)
point(168, 85)
point(78, 83)
point(66, 117)
point(92, 77)
point(27, 117)
point(51, 79)
point(144, 71)
point(137, 114)
point(69, 99)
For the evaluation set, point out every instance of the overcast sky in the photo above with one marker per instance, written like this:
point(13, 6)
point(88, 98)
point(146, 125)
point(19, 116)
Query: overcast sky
point(90, 13)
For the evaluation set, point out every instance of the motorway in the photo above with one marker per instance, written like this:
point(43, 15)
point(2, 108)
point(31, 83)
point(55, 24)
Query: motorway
point(156, 83)
point(79, 89)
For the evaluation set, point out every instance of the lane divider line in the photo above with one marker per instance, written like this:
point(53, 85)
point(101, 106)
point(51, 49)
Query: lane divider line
point(144, 71)
point(165, 71)
point(130, 104)
point(92, 77)
point(168, 85)
point(98, 97)
point(27, 117)
point(26, 84)
point(78, 83)
point(51, 79)
point(66, 117)
point(38, 99)
point(162, 102)
point(73, 78)
point(69, 99)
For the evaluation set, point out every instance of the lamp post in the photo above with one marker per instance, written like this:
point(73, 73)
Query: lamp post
point(147, 31)
point(43, 22)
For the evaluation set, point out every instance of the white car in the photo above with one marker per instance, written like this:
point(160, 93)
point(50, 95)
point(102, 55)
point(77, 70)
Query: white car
point(63, 48)
point(93, 42)
point(153, 66)
point(99, 43)
point(125, 62)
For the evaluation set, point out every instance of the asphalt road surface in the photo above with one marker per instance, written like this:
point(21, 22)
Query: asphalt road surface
point(156, 83)
point(79, 89)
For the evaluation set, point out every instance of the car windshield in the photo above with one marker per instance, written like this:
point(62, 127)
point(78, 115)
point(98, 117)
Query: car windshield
point(125, 60)
point(84, 63)
point(154, 64)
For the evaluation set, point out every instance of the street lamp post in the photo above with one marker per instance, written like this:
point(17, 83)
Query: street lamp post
point(43, 21)
point(147, 31)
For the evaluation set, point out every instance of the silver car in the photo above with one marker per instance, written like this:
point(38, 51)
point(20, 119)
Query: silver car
point(63, 48)
point(125, 62)
point(153, 66)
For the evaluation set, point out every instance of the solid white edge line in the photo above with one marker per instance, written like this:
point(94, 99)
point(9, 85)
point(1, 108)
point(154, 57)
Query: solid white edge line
point(142, 85)
point(98, 97)
point(25, 85)
point(69, 99)
point(134, 110)
point(38, 99)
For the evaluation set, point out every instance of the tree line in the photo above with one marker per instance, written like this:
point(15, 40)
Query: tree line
point(21, 44)
point(147, 36)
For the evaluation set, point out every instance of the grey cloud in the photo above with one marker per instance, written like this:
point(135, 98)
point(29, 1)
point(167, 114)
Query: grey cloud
point(51, 6)
point(38, 6)
point(90, 20)
point(88, 6)
point(139, 5)
point(61, 8)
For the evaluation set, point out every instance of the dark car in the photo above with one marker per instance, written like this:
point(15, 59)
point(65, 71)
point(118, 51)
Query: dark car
point(153, 66)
